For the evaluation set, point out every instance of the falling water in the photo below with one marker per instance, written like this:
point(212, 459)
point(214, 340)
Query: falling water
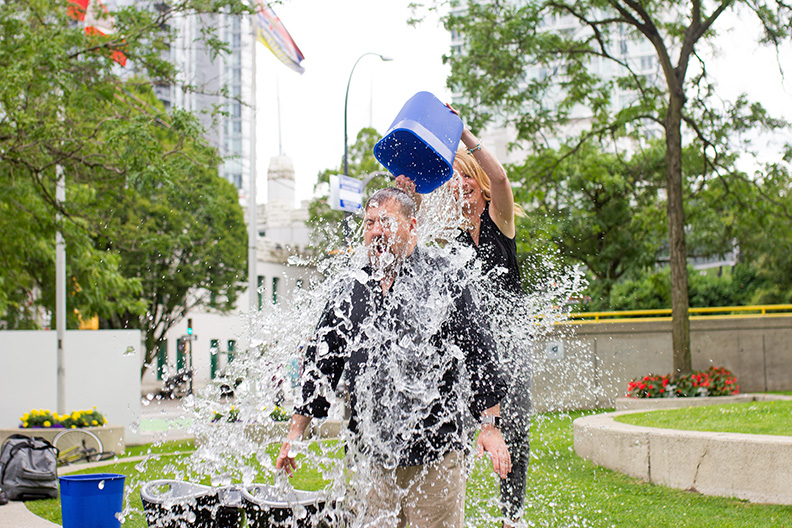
point(237, 438)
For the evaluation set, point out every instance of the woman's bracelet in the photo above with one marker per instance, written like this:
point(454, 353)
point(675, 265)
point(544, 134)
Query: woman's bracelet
point(474, 149)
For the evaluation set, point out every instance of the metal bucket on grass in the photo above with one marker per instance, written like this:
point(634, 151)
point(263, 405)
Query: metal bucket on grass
point(178, 504)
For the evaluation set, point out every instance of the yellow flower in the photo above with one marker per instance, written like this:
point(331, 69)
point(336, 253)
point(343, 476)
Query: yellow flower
point(74, 426)
point(75, 415)
point(94, 422)
point(47, 423)
point(24, 424)
point(26, 417)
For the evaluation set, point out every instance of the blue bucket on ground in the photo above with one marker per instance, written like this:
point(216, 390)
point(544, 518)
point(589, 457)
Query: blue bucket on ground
point(91, 501)
point(422, 142)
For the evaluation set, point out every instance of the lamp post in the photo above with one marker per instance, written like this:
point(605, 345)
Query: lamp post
point(346, 103)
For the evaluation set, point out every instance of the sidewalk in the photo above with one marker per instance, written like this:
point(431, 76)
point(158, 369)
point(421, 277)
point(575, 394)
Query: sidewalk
point(16, 515)
point(156, 420)
point(160, 421)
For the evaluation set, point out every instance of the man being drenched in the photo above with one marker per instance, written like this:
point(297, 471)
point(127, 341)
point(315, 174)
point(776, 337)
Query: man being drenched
point(414, 352)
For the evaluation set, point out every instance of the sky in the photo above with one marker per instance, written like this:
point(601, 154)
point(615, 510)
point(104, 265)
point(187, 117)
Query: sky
point(333, 35)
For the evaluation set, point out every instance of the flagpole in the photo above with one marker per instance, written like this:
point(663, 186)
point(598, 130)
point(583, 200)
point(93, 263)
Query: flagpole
point(252, 228)
point(60, 290)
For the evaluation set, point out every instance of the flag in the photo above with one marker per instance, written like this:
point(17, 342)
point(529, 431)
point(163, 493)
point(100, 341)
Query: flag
point(97, 20)
point(271, 32)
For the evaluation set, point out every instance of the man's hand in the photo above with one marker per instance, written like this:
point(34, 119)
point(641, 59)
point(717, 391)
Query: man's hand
point(491, 441)
point(284, 461)
point(299, 424)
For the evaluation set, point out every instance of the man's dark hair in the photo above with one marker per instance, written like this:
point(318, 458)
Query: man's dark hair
point(406, 203)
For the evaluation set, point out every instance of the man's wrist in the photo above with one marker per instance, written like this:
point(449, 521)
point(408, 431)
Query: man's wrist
point(491, 420)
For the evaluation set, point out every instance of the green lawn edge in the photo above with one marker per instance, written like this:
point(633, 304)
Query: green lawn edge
point(766, 417)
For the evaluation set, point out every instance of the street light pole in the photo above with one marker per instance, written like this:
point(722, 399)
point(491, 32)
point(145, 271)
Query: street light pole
point(346, 105)
point(347, 228)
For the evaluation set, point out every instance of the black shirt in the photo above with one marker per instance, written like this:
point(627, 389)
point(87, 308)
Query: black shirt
point(498, 255)
point(403, 356)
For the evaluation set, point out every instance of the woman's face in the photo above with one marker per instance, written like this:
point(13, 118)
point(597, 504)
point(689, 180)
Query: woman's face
point(466, 189)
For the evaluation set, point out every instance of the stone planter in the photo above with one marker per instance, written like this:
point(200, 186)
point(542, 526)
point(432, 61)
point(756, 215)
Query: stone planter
point(652, 404)
point(111, 436)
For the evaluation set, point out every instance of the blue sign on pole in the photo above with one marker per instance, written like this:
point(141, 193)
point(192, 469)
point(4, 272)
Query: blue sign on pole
point(346, 193)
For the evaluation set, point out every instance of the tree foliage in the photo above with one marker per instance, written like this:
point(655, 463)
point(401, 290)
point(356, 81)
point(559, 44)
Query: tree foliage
point(595, 208)
point(146, 217)
point(512, 70)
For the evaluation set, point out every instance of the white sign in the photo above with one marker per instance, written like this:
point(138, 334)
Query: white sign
point(346, 193)
point(554, 350)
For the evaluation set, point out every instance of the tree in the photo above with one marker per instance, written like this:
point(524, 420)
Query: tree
point(185, 242)
point(596, 208)
point(66, 110)
point(503, 39)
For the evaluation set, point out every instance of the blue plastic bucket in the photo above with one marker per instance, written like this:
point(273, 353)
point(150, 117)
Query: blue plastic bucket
point(91, 501)
point(422, 142)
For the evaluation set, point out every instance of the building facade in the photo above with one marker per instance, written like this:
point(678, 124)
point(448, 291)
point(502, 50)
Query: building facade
point(283, 232)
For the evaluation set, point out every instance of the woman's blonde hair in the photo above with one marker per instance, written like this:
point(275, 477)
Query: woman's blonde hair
point(471, 167)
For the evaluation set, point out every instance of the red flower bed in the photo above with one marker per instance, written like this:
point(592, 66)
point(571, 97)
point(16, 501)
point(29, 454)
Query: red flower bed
point(715, 381)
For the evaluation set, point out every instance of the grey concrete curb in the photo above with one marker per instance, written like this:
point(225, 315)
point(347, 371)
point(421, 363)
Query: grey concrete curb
point(757, 468)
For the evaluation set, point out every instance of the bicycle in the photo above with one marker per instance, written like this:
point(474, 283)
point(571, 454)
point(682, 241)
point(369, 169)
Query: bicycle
point(79, 445)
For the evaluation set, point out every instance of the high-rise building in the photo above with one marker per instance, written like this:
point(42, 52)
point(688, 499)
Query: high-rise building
point(223, 82)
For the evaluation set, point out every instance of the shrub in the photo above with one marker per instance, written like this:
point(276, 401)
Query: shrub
point(715, 381)
point(650, 386)
point(44, 418)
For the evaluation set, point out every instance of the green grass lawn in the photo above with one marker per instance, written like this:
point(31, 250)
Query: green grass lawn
point(770, 418)
point(563, 491)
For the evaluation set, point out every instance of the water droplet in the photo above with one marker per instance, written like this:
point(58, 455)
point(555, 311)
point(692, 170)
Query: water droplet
point(101, 484)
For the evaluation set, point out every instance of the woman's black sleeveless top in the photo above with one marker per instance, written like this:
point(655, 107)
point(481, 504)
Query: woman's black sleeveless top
point(496, 252)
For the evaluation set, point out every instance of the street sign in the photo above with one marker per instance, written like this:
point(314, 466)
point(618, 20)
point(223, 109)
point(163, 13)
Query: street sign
point(346, 193)
point(190, 337)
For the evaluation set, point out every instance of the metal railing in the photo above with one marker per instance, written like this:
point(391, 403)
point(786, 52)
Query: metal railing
point(664, 314)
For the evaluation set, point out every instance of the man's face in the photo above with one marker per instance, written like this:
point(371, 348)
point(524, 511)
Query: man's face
point(387, 233)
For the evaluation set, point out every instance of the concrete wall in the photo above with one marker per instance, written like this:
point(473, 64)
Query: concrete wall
point(600, 359)
point(102, 371)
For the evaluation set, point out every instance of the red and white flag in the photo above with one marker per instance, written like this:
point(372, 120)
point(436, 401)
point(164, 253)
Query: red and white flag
point(97, 20)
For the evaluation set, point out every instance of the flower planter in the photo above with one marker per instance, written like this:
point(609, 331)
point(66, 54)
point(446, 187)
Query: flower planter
point(112, 436)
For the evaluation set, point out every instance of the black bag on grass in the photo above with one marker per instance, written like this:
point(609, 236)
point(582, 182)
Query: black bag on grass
point(28, 468)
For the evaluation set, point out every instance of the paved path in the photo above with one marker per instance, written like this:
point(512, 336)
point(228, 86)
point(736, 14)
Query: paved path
point(16, 515)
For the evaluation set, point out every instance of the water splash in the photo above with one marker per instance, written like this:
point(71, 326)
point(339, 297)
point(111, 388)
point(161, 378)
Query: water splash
point(237, 437)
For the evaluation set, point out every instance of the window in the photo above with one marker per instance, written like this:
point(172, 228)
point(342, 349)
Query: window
point(260, 291)
point(274, 290)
